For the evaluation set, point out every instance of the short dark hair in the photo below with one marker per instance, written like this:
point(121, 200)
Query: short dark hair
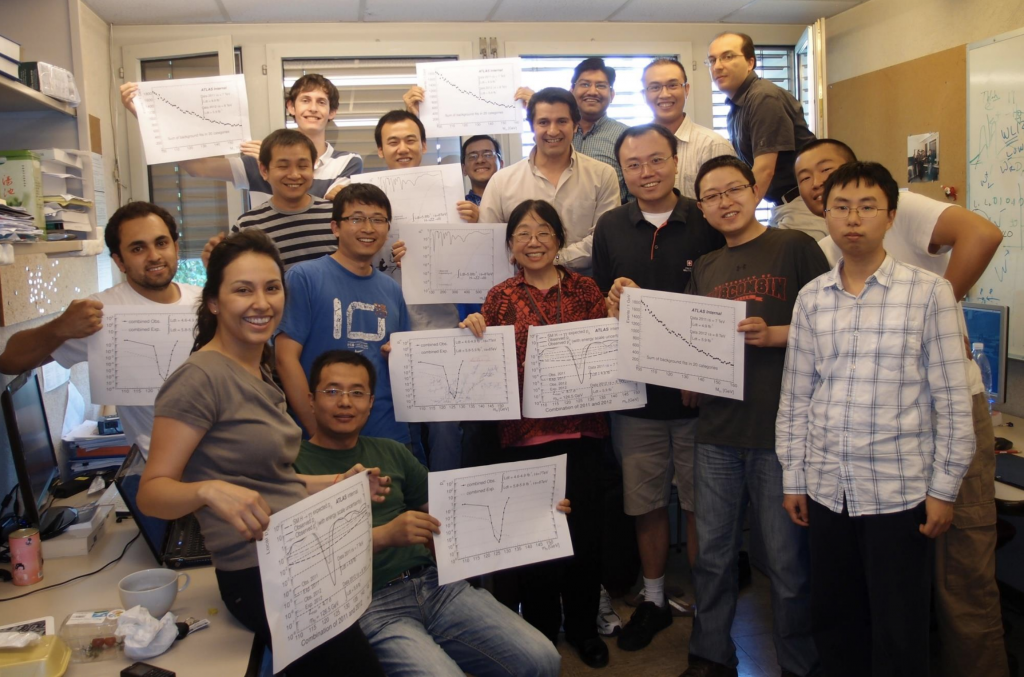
point(594, 63)
point(365, 193)
point(553, 95)
point(330, 357)
point(393, 116)
point(746, 49)
point(135, 210)
point(284, 138)
point(479, 137)
point(311, 81)
point(544, 210)
point(666, 61)
point(870, 173)
point(719, 162)
point(640, 130)
point(843, 148)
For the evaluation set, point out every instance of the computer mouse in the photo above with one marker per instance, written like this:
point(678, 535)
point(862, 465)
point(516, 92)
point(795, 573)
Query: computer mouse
point(55, 521)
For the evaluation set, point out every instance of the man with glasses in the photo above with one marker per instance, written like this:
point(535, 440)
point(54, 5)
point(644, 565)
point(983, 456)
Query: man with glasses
point(341, 302)
point(481, 158)
point(666, 89)
point(767, 128)
point(652, 243)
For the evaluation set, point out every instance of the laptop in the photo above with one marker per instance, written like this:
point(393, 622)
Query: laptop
point(178, 543)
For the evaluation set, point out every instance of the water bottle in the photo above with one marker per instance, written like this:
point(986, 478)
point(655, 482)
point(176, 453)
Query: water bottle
point(981, 359)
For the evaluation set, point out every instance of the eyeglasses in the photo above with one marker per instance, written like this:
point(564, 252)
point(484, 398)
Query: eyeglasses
point(486, 155)
point(842, 213)
point(524, 236)
point(358, 221)
point(654, 163)
point(599, 86)
point(715, 198)
point(656, 87)
point(335, 394)
point(725, 58)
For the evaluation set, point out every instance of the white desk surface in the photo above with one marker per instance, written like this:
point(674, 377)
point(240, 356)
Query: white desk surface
point(221, 650)
point(1004, 492)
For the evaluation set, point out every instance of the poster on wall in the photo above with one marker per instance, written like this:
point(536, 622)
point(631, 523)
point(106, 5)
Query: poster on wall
point(923, 157)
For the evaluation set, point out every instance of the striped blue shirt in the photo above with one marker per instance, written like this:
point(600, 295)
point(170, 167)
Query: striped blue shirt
point(331, 169)
point(302, 235)
point(599, 143)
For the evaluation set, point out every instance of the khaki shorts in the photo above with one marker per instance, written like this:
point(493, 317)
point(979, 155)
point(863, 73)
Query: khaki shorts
point(654, 456)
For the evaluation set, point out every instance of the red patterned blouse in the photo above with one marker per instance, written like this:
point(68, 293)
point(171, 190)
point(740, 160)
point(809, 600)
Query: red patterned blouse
point(509, 303)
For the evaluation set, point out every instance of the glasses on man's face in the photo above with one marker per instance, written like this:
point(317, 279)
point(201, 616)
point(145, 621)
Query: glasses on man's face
point(486, 155)
point(656, 87)
point(842, 212)
point(359, 221)
point(715, 198)
point(335, 394)
point(655, 163)
point(586, 84)
point(524, 236)
point(725, 58)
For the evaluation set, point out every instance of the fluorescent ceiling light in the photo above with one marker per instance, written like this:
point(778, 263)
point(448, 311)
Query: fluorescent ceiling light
point(365, 80)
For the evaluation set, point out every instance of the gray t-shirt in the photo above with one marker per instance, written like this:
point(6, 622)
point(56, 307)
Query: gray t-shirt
point(250, 441)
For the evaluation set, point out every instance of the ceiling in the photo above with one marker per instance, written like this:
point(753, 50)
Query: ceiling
point(122, 12)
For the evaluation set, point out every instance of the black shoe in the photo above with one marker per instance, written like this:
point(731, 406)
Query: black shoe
point(591, 650)
point(646, 622)
point(700, 667)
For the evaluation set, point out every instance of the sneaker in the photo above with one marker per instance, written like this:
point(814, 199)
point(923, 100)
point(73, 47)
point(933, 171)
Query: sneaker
point(680, 607)
point(647, 621)
point(608, 622)
point(700, 667)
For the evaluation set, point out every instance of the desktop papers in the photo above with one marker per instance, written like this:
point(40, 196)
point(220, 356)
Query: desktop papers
point(463, 98)
point(498, 516)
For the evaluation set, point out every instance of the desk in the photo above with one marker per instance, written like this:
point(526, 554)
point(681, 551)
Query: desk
point(1007, 495)
point(222, 650)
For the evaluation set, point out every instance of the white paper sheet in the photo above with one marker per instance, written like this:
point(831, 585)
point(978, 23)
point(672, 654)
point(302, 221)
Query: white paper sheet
point(450, 375)
point(463, 98)
point(573, 368)
point(192, 118)
point(498, 516)
point(316, 565)
point(137, 349)
point(682, 341)
point(453, 263)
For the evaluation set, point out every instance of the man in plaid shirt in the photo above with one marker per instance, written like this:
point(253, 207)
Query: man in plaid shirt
point(874, 433)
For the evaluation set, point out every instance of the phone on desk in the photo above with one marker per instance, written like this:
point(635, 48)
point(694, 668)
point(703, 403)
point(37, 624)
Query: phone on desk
point(145, 670)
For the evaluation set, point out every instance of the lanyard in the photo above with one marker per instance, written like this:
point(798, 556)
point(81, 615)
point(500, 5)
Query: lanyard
point(536, 309)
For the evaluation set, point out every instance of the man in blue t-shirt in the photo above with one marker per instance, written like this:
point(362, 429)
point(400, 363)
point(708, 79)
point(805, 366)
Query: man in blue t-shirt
point(341, 302)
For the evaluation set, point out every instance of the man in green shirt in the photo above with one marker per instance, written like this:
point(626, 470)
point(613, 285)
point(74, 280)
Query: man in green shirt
point(415, 626)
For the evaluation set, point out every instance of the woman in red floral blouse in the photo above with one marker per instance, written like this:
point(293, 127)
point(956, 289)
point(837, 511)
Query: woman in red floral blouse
point(545, 293)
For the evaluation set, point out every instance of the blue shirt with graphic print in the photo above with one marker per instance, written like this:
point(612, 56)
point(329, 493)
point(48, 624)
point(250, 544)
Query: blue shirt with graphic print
point(331, 308)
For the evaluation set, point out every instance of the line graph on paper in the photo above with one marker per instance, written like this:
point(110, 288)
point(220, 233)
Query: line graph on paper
point(450, 375)
point(419, 194)
point(316, 565)
point(498, 516)
point(470, 97)
point(192, 118)
point(573, 368)
point(135, 352)
point(454, 263)
point(682, 341)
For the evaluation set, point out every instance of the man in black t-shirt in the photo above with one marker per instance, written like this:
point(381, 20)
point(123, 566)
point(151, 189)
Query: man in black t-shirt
point(735, 440)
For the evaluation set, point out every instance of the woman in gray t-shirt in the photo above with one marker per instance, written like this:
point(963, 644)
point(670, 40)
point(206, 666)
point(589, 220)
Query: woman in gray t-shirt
point(223, 443)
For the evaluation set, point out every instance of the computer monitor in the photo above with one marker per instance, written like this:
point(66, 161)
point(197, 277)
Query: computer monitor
point(988, 324)
point(34, 458)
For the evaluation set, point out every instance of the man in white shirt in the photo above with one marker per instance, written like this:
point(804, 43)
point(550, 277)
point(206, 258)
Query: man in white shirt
point(143, 242)
point(666, 90)
point(957, 244)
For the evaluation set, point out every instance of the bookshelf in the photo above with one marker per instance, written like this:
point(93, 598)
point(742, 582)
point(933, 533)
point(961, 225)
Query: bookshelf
point(18, 98)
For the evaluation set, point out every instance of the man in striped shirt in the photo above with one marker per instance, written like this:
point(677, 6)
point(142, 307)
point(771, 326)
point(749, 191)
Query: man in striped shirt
point(875, 353)
point(298, 223)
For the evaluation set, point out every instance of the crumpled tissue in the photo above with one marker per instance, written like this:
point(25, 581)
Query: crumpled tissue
point(145, 636)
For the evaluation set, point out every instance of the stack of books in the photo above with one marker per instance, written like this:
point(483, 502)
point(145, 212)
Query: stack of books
point(88, 450)
point(10, 58)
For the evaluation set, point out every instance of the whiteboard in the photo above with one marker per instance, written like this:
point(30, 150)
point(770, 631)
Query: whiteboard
point(995, 168)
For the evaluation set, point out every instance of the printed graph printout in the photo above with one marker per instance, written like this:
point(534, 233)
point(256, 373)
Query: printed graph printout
point(316, 562)
point(192, 118)
point(463, 98)
point(450, 375)
point(498, 516)
point(137, 349)
point(454, 263)
point(573, 368)
point(682, 341)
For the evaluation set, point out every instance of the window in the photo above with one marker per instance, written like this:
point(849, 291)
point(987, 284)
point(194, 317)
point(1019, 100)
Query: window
point(774, 64)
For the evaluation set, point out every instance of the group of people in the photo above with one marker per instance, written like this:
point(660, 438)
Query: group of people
point(872, 488)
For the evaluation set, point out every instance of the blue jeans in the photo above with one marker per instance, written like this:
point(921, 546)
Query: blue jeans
point(723, 478)
point(419, 628)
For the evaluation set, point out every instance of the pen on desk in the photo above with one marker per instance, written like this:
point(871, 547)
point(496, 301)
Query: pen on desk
point(1007, 451)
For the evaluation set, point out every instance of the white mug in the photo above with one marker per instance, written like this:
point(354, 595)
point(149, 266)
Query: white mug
point(153, 589)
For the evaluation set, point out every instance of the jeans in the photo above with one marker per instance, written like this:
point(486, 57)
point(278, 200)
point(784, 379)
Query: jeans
point(419, 628)
point(444, 444)
point(723, 477)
